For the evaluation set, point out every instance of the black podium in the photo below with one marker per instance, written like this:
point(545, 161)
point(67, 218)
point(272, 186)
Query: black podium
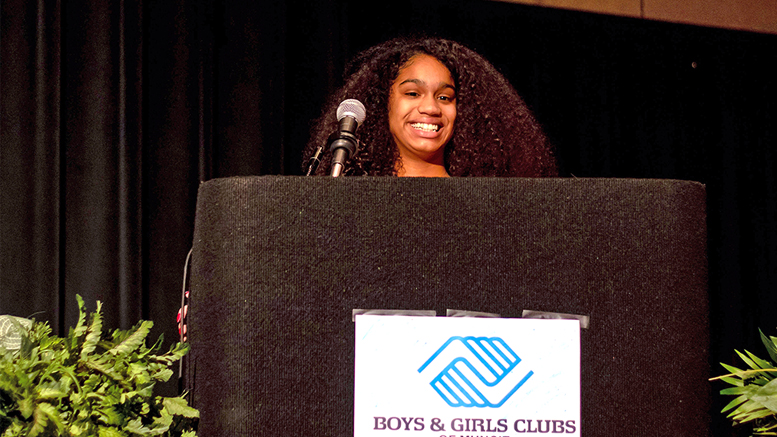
point(280, 262)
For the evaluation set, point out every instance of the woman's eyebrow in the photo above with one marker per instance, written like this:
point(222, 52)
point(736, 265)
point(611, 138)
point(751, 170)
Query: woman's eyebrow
point(420, 82)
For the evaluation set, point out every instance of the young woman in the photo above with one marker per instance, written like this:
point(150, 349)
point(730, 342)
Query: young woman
point(435, 108)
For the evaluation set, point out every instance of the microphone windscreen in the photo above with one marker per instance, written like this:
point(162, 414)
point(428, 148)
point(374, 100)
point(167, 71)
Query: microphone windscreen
point(352, 108)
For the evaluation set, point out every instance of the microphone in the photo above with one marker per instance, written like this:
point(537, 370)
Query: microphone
point(350, 114)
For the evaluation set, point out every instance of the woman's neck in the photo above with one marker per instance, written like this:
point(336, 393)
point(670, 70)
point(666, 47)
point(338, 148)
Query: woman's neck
point(421, 169)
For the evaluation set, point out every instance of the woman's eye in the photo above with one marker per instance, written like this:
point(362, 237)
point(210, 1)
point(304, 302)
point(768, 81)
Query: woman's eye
point(411, 94)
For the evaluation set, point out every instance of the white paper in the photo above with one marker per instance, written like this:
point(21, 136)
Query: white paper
point(435, 376)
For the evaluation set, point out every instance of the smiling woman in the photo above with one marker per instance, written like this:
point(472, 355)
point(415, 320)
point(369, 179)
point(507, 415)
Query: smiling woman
point(435, 108)
point(422, 112)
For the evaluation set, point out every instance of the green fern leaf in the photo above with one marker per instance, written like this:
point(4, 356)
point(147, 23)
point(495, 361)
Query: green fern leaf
point(136, 426)
point(80, 328)
point(93, 334)
point(39, 423)
point(179, 407)
point(134, 341)
point(105, 431)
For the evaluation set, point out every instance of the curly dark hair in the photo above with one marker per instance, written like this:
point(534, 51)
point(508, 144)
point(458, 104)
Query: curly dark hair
point(495, 133)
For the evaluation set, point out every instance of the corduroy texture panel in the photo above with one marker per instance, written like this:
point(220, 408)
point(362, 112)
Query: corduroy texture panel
point(280, 262)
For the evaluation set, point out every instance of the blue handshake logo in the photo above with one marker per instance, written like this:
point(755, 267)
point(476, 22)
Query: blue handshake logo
point(475, 372)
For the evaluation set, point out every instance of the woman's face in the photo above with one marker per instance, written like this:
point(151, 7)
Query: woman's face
point(422, 109)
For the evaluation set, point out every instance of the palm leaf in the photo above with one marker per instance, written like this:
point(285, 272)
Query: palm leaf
point(741, 375)
point(747, 360)
point(771, 345)
point(733, 404)
point(748, 390)
point(767, 396)
point(755, 414)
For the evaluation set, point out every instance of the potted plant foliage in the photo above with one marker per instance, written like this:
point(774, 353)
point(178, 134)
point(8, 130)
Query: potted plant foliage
point(755, 390)
point(88, 383)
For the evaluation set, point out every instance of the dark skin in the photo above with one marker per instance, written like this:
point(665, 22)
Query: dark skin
point(422, 115)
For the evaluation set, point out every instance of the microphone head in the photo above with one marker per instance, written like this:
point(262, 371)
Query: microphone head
point(351, 108)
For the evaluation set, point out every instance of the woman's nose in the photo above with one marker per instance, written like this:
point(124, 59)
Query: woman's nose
point(429, 105)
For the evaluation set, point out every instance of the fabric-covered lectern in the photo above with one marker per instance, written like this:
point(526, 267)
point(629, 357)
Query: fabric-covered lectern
point(279, 263)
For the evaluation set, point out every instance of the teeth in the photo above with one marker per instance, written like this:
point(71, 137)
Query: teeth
point(426, 126)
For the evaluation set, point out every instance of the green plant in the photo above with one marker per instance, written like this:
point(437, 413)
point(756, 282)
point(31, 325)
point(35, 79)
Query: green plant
point(755, 390)
point(89, 383)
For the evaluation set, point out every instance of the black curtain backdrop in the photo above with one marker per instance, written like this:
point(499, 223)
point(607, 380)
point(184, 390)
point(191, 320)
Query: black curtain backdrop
point(111, 112)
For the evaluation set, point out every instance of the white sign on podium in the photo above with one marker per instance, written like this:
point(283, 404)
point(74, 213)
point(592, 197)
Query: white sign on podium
point(466, 377)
